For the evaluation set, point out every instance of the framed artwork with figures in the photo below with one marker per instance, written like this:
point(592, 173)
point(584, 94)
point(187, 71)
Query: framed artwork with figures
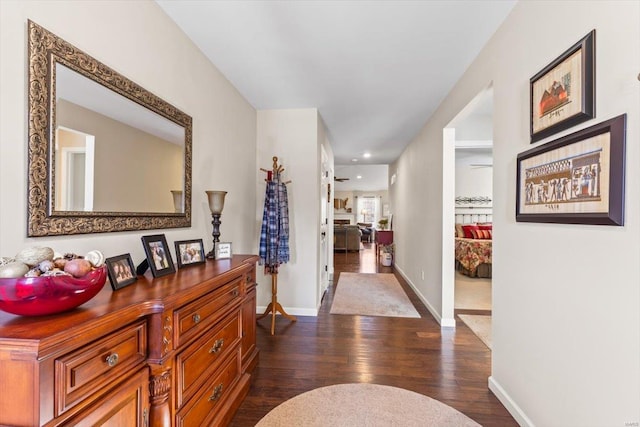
point(576, 179)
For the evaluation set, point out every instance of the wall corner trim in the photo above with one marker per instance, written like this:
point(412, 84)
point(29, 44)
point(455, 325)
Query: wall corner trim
point(513, 408)
point(444, 323)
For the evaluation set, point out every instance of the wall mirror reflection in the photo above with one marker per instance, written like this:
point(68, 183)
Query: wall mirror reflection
point(104, 153)
point(93, 122)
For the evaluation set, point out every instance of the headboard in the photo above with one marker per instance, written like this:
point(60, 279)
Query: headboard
point(472, 217)
point(473, 209)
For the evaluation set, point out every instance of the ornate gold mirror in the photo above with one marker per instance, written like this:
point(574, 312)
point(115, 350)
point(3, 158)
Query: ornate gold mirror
point(104, 153)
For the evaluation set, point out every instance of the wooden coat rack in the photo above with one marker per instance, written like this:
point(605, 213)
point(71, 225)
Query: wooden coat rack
point(274, 306)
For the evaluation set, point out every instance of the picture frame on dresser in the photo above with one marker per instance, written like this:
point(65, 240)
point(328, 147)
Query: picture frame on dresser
point(576, 179)
point(563, 93)
point(121, 271)
point(223, 250)
point(189, 252)
point(158, 255)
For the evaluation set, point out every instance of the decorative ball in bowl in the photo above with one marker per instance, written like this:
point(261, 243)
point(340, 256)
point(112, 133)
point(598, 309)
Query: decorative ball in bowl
point(39, 296)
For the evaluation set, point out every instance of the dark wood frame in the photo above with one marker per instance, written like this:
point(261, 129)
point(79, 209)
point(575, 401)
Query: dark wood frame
point(179, 261)
point(110, 262)
point(588, 105)
point(146, 242)
point(616, 127)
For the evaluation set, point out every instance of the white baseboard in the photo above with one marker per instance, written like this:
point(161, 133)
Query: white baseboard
point(513, 408)
point(448, 323)
point(444, 323)
point(291, 310)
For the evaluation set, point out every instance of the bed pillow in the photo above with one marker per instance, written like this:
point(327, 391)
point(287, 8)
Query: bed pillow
point(459, 231)
point(488, 230)
point(482, 234)
point(468, 230)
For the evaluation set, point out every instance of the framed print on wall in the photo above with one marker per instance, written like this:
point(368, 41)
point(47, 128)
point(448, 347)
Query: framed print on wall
point(189, 252)
point(563, 93)
point(158, 255)
point(577, 179)
point(121, 271)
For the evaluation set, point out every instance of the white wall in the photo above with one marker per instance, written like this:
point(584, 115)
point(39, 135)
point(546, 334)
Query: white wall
point(471, 179)
point(566, 323)
point(140, 41)
point(478, 127)
point(292, 136)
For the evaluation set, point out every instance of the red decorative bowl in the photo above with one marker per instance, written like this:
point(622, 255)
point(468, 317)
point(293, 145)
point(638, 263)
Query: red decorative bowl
point(38, 296)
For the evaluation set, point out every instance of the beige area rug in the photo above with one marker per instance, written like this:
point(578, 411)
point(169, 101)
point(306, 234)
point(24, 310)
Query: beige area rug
point(479, 325)
point(472, 293)
point(364, 405)
point(371, 295)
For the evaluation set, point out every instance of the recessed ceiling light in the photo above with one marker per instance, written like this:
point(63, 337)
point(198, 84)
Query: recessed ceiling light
point(354, 160)
point(359, 176)
point(366, 155)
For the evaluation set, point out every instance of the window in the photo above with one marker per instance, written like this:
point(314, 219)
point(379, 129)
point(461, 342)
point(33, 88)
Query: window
point(368, 209)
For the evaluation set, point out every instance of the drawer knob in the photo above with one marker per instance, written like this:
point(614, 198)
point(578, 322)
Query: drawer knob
point(217, 346)
point(235, 293)
point(112, 359)
point(217, 392)
point(196, 318)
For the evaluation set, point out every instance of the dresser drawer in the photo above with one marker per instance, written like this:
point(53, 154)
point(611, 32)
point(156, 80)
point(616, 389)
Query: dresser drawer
point(200, 359)
point(249, 280)
point(95, 366)
point(202, 408)
point(196, 317)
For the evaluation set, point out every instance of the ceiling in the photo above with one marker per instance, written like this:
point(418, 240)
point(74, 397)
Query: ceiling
point(376, 70)
point(372, 177)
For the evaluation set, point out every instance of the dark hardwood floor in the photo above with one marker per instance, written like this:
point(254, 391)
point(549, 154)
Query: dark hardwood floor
point(449, 365)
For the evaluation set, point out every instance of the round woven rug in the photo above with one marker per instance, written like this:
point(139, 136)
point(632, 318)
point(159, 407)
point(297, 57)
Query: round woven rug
point(364, 405)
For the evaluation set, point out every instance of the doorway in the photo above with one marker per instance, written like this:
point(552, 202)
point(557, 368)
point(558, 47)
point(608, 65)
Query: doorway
point(467, 198)
point(325, 265)
point(75, 165)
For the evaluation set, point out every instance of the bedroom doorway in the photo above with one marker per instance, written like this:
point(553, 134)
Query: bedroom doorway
point(467, 198)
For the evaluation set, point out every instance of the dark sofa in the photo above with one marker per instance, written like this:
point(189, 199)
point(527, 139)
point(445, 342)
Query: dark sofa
point(366, 228)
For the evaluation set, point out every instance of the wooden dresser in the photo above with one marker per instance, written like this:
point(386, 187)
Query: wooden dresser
point(177, 350)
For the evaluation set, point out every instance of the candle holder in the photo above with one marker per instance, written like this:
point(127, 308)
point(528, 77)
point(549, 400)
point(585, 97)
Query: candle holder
point(216, 204)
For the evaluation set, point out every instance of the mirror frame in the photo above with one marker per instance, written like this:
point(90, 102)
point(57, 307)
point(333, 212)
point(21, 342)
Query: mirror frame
point(45, 49)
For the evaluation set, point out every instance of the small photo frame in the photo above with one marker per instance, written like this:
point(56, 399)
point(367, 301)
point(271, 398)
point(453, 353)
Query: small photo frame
point(121, 271)
point(189, 252)
point(223, 250)
point(563, 93)
point(158, 255)
point(576, 179)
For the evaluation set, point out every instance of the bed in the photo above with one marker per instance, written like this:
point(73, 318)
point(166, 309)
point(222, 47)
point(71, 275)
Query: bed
point(473, 257)
point(473, 249)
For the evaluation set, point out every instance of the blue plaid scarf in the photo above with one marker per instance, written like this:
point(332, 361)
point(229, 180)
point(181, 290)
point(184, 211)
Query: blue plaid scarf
point(274, 233)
